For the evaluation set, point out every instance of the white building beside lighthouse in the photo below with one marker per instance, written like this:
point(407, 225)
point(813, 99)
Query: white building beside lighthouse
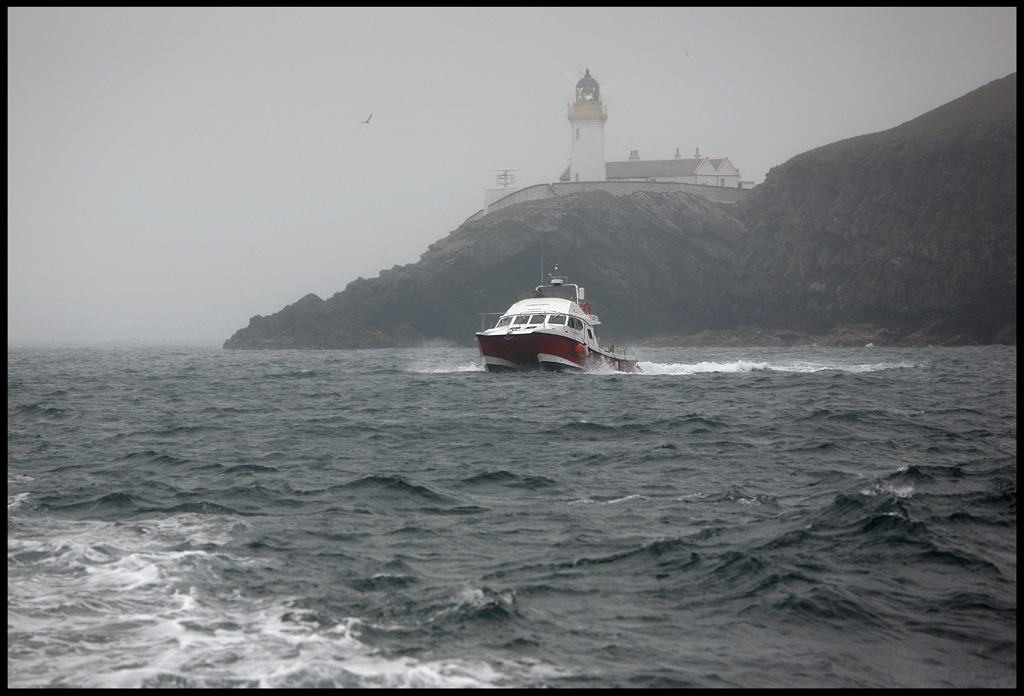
point(715, 179)
point(586, 122)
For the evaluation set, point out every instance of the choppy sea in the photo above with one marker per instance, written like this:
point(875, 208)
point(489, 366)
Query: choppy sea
point(806, 517)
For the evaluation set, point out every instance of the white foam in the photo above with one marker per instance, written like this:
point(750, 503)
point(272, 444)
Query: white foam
point(652, 368)
point(902, 492)
point(101, 605)
point(455, 367)
point(635, 496)
point(445, 366)
point(14, 501)
point(591, 501)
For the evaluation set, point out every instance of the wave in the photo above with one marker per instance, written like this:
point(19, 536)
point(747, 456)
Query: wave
point(112, 504)
point(733, 495)
point(393, 485)
point(458, 510)
point(186, 430)
point(656, 549)
point(586, 427)
point(293, 374)
point(488, 477)
point(825, 606)
point(15, 501)
point(199, 508)
point(607, 499)
point(382, 582)
point(812, 366)
point(31, 411)
point(136, 610)
point(475, 604)
point(153, 457)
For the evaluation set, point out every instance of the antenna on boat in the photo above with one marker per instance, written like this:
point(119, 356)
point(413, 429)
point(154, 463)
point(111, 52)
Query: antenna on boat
point(542, 259)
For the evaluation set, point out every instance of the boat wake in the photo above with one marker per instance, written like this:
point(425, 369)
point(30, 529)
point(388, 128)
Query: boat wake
point(655, 368)
point(454, 361)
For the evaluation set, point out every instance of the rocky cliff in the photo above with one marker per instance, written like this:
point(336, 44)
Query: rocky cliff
point(665, 262)
point(913, 229)
point(904, 236)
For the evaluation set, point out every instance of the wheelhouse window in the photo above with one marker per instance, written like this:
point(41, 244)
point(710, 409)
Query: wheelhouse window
point(537, 319)
point(557, 319)
point(504, 321)
point(521, 319)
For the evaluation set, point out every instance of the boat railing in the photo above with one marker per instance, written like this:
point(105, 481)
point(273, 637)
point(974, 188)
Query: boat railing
point(483, 319)
point(561, 290)
point(624, 352)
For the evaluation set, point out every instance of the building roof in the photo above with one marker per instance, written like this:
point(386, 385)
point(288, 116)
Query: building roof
point(634, 169)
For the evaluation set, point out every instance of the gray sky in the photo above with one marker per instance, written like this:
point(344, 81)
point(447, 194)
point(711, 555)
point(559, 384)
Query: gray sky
point(172, 172)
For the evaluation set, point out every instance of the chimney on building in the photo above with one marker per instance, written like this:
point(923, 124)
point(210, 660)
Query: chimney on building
point(678, 156)
point(634, 154)
point(698, 153)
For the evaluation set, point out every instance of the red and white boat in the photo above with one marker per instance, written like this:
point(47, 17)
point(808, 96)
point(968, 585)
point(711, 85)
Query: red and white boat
point(551, 329)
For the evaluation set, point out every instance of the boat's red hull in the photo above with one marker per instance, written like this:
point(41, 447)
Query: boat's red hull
point(539, 350)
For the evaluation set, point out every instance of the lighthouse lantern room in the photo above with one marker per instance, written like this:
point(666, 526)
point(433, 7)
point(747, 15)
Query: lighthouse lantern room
point(586, 121)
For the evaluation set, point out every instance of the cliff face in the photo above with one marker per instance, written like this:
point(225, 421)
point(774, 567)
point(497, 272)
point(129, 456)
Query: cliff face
point(913, 228)
point(665, 261)
point(911, 231)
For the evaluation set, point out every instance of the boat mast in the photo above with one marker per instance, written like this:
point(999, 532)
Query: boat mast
point(542, 259)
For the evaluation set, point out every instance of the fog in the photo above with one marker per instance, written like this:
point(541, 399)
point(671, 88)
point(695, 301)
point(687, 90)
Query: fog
point(173, 172)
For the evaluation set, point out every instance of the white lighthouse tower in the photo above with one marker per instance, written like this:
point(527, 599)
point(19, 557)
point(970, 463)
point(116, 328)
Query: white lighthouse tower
point(586, 120)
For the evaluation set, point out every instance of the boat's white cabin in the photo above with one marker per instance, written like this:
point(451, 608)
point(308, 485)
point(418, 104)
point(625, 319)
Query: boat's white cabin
point(549, 313)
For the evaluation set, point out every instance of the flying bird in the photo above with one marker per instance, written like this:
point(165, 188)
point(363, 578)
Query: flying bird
point(368, 118)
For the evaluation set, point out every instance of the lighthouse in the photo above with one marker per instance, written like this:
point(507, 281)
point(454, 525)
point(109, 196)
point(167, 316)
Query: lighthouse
point(586, 122)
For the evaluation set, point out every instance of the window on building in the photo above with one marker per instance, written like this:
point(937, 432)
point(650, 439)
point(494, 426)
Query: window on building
point(577, 133)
